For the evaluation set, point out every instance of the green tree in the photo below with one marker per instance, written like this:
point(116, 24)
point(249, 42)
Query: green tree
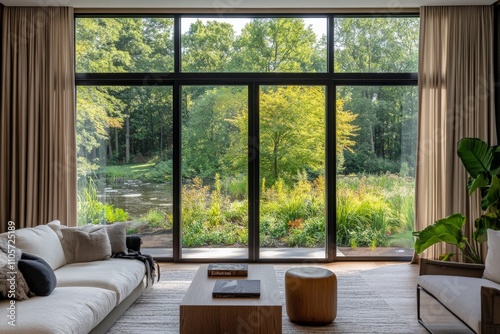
point(97, 112)
point(207, 47)
point(275, 45)
point(208, 133)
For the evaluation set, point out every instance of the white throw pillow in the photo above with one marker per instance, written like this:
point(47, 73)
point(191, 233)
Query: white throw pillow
point(43, 242)
point(492, 265)
point(56, 226)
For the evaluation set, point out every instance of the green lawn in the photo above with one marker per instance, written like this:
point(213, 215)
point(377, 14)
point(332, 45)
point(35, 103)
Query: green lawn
point(147, 172)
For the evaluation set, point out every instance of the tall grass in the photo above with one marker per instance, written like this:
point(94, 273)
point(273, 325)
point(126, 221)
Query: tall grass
point(373, 210)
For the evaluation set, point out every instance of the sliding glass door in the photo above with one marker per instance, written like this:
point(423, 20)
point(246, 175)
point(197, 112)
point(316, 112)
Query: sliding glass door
point(214, 196)
point(292, 171)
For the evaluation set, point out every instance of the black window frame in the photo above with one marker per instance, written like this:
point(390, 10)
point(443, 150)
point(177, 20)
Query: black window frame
point(253, 81)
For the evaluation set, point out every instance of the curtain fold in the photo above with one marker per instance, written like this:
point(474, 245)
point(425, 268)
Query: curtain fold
point(37, 124)
point(456, 100)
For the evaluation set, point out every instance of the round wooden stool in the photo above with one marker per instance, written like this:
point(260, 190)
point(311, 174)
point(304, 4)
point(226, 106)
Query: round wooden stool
point(311, 295)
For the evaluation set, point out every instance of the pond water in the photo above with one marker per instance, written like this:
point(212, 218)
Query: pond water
point(137, 198)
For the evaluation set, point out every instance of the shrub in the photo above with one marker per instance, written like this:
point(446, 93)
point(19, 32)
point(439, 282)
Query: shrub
point(161, 172)
point(91, 211)
point(309, 234)
point(115, 214)
point(237, 187)
point(155, 219)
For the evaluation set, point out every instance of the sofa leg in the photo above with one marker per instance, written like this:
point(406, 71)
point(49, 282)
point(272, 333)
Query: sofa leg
point(418, 310)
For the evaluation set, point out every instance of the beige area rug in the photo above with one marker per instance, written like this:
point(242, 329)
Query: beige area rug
point(360, 309)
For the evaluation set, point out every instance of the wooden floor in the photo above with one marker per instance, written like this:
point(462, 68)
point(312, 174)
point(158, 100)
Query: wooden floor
point(395, 282)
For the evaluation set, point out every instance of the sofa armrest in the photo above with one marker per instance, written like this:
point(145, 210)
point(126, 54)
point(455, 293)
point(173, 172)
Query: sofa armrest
point(434, 267)
point(490, 310)
point(134, 242)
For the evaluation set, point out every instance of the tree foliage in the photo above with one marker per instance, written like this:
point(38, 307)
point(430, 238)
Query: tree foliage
point(375, 126)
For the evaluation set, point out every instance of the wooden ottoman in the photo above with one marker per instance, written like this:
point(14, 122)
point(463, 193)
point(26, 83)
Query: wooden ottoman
point(311, 295)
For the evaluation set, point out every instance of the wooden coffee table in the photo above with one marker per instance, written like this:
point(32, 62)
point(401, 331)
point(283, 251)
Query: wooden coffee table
point(200, 313)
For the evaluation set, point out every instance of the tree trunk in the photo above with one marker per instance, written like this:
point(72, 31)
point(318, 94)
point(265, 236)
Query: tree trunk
point(116, 141)
point(161, 141)
point(110, 147)
point(275, 160)
point(127, 138)
point(372, 141)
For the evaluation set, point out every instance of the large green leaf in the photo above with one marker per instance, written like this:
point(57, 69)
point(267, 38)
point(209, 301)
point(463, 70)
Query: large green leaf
point(479, 182)
point(493, 194)
point(476, 156)
point(448, 230)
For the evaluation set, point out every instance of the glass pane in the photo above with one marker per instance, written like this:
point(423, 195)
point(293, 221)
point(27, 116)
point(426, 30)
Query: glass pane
point(376, 161)
point(292, 171)
point(376, 44)
point(214, 172)
point(253, 45)
point(124, 140)
point(116, 45)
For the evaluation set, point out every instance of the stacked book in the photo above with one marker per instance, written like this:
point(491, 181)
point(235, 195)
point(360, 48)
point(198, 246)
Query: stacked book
point(227, 269)
point(233, 288)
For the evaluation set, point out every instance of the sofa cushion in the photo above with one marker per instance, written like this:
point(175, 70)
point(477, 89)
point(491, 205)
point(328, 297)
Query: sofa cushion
point(119, 275)
point(461, 295)
point(85, 246)
point(492, 264)
point(38, 274)
point(41, 241)
point(71, 310)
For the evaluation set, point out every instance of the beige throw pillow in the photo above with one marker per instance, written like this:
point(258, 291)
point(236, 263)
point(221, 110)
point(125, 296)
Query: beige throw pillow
point(117, 234)
point(85, 246)
point(492, 265)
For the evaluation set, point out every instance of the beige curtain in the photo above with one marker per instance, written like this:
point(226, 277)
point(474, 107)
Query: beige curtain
point(456, 100)
point(37, 124)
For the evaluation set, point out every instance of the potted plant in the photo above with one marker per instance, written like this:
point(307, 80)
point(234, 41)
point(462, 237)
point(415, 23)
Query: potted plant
point(482, 162)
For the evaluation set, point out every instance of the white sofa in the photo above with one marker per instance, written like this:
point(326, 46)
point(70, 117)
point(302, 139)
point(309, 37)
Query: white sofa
point(89, 296)
point(470, 292)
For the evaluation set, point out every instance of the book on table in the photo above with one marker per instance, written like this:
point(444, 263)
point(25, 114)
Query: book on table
point(236, 288)
point(227, 269)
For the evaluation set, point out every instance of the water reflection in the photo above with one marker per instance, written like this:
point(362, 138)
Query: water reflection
point(137, 198)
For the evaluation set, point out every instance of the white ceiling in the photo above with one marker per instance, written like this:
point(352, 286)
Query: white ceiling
point(227, 4)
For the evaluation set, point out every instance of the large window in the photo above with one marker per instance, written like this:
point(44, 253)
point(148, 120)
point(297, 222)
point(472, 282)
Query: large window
point(250, 137)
